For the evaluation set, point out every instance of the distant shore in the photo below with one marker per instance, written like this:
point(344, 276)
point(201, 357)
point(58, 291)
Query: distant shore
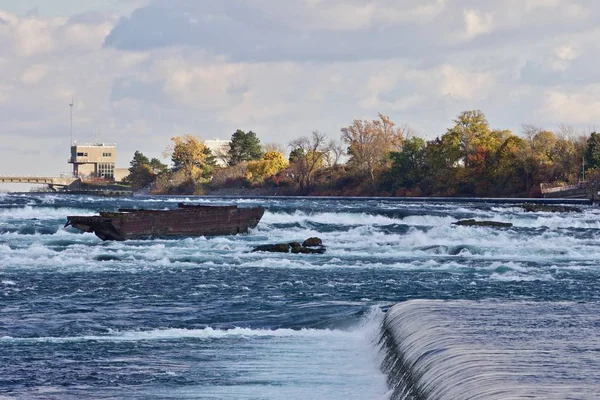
point(495, 200)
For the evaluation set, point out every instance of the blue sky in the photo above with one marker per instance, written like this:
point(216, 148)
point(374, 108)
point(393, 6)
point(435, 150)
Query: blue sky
point(142, 71)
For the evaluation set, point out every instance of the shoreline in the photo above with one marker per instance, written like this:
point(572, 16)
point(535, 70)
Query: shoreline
point(494, 200)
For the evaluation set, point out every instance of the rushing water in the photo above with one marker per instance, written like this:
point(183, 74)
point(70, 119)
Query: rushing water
point(205, 318)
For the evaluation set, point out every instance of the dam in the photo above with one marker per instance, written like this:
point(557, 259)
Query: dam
point(491, 350)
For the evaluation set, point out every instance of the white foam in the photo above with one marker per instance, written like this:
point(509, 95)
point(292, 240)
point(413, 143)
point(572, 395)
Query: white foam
point(202, 334)
point(300, 217)
point(40, 213)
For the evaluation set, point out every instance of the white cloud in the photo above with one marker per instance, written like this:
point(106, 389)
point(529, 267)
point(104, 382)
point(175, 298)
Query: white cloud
point(201, 85)
point(567, 52)
point(33, 74)
point(573, 105)
point(464, 84)
point(350, 15)
point(563, 56)
point(33, 36)
point(477, 23)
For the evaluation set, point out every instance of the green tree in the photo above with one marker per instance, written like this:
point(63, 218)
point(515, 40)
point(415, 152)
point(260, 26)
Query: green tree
point(244, 147)
point(407, 165)
point(141, 173)
point(511, 175)
point(158, 167)
point(592, 151)
point(296, 154)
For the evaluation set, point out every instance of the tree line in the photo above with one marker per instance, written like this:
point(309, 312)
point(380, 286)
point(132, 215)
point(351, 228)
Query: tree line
point(379, 157)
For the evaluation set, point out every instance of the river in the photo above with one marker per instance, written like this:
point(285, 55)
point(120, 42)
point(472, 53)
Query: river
point(198, 318)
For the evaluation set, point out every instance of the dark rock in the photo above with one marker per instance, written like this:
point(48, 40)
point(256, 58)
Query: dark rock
point(308, 250)
point(472, 222)
point(531, 207)
point(310, 246)
point(273, 248)
point(312, 242)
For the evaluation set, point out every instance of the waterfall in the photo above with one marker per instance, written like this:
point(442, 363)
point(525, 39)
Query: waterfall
point(491, 350)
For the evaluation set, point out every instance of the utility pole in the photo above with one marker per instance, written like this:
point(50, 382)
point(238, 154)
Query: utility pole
point(583, 168)
point(71, 128)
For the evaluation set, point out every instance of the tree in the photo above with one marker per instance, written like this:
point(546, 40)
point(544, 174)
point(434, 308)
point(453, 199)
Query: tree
point(271, 163)
point(244, 147)
point(369, 142)
point(191, 158)
point(140, 171)
point(592, 151)
point(511, 175)
point(274, 147)
point(334, 153)
point(475, 137)
point(296, 154)
point(158, 167)
point(308, 158)
point(408, 165)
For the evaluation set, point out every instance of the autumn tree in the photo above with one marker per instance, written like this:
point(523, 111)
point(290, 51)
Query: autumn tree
point(510, 175)
point(274, 147)
point(271, 163)
point(308, 158)
point(191, 158)
point(244, 147)
point(369, 142)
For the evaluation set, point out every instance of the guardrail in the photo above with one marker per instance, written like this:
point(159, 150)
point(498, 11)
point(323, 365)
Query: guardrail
point(562, 188)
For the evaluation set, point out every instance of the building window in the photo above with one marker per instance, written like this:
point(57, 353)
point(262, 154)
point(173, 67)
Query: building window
point(106, 170)
point(106, 154)
point(81, 154)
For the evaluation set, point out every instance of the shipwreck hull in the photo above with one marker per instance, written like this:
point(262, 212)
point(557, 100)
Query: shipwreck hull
point(185, 221)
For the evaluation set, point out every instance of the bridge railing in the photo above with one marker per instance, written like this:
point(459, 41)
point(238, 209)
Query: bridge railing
point(556, 189)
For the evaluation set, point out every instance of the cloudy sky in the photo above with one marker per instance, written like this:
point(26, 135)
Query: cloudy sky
point(142, 71)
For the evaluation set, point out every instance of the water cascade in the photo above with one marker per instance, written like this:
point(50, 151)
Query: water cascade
point(491, 350)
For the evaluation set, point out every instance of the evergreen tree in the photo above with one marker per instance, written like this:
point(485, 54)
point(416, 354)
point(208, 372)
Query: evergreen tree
point(592, 151)
point(244, 147)
point(141, 173)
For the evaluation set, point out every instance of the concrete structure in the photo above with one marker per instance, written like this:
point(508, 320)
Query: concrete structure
point(580, 191)
point(219, 148)
point(52, 182)
point(93, 160)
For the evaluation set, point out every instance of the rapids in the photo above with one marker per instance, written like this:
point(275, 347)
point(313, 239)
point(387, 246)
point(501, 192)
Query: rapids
point(205, 318)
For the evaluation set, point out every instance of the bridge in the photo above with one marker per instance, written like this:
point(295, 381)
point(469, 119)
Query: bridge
point(53, 183)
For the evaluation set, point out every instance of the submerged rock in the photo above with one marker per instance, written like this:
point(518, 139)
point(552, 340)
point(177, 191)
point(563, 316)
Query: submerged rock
point(493, 224)
point(312, 242)
point(308, 250)
point(273, 248)
point(309, 246)
point(531, 207)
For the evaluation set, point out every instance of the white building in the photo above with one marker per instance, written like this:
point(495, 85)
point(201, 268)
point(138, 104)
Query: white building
point(219, 148)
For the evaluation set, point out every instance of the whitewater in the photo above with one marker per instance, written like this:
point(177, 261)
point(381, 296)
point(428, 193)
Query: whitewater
point(403, 305)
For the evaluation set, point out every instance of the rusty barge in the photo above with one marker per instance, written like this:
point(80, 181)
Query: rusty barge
point(186, 220)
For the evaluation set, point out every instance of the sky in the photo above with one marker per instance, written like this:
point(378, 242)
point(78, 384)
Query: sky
point(142, 71)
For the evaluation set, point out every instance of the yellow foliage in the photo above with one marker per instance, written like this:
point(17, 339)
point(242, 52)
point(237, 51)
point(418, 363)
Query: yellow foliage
point(189, 155)
point(271, 163)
